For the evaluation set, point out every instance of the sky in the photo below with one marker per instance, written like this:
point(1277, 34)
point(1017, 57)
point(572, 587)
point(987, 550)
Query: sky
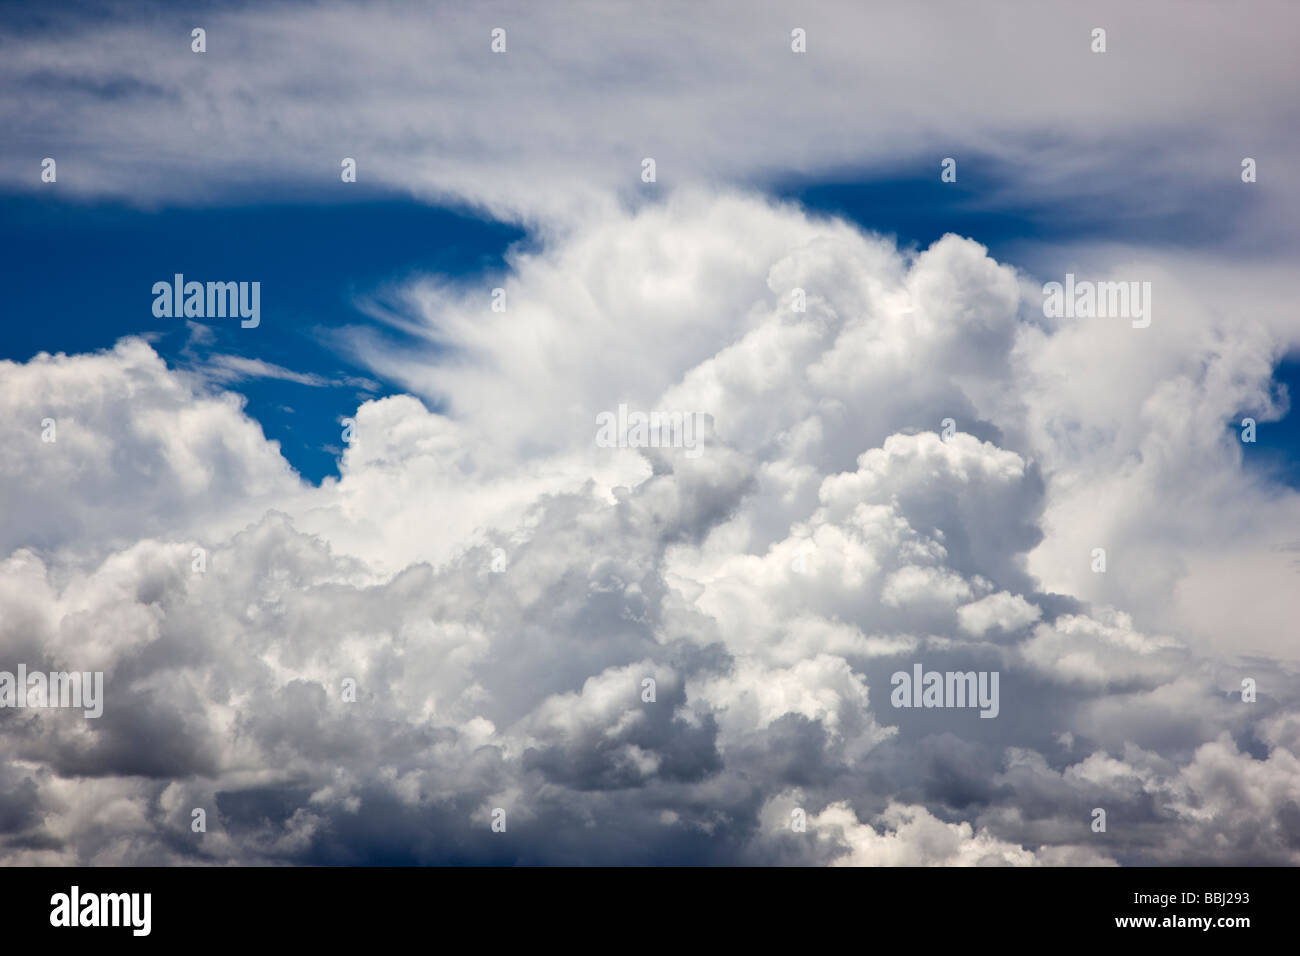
point(366, 585)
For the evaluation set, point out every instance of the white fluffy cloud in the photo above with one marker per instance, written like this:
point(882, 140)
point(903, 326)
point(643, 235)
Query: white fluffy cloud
point(499, 587)
point(107, 447)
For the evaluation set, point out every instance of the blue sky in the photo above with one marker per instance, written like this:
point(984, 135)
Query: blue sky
point(320, 264)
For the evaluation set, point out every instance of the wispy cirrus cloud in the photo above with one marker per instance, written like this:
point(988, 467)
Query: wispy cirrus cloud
point(558, 125)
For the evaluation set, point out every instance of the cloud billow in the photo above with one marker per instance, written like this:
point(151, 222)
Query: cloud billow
point(466, 619)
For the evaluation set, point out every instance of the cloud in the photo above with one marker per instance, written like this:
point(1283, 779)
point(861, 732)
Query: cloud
point(1004, 611)
point(554, 130)
point(132, 449)
point(498, 587)
point(234, 368)
point(912, 836)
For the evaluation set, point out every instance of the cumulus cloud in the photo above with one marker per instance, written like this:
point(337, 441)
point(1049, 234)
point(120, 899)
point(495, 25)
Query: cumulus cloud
point(498, 588)
point(110, 446)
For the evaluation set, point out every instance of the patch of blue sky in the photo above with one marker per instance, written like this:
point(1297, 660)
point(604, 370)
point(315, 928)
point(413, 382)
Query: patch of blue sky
point(80, 277)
